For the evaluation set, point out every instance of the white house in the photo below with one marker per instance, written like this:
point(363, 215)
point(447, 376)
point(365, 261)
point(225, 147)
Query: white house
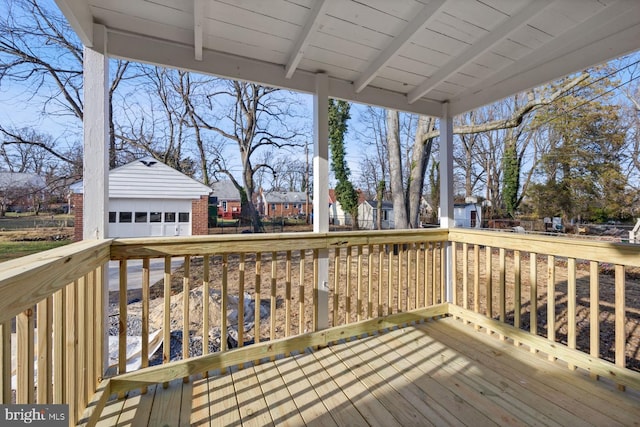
point(368, 215)
point(149, 198)
point(467, 215)
point(337, 215)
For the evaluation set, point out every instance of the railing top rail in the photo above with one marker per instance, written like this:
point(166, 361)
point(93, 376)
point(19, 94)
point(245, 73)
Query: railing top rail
point(27, 280)
point(199, 245)
point(591, 250)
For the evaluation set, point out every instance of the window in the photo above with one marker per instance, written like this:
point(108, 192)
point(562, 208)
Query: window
point(286, 205)
point(224, 206)
point(141, 217)
point(183, 217)
point(124, 217)
point(273, 207)
point(169, 217)
point(112, 217)
point(155, 217)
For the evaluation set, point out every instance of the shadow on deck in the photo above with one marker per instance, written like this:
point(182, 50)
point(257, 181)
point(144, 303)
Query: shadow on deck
point(433, 373)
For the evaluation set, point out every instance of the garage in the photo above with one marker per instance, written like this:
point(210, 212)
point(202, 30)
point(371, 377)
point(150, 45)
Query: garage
point(148, 198)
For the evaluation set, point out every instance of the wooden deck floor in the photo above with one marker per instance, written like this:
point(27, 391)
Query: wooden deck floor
point(437, 373)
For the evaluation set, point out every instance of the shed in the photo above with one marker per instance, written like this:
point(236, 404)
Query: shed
point(468, 215)
point(149, 198)
point(368, 215)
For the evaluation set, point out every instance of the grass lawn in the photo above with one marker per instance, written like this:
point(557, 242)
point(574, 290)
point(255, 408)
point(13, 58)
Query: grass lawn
point(11, 250)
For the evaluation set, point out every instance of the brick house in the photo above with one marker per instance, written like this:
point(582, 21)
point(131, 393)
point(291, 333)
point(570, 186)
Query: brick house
point(227, 198)
point(278, 204)
point(149, 198)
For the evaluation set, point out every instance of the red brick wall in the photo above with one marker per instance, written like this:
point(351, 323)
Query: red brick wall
point(200, 213)
point(76, 201)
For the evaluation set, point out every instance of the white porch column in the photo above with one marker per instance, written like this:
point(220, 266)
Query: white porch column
point(96, 137)
point(96, 154)
point(321, 191)
point(446, 191)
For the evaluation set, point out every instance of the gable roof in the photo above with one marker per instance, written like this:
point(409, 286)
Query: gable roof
point(148, 178)
point(386, 206)
point(225, 190)
point(285, 197)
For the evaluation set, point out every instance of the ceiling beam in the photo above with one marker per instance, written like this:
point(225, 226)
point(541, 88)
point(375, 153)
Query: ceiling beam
point(578, 48)
point(481, 46)
point(167, 54)
point(416, 24)
point(198, 28)
point(310, 27)
point(80, 18)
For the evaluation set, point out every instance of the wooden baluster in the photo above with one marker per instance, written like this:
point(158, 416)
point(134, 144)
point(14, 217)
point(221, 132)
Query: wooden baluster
point(416, 289)
point(620, 310)
point(166, 321)
point(224, 304)
point(81, 344)
point(122, 318)
point(287, 299)
point(5, 361)
point(272, 309)
point(551, 301)
point(256, 306)
point(206, 293)
point(301, 293)
point(70, 351)
point(517, 298)
point(533, 295)
point(370, 271)
point(44, 321)
point(489, 282)
point(594, 312)
point(25, 369)
point(380, 278)
point(503, 275)
point(465, 277)
point(241, 273)
point(144, 348)
point(336, 285)
point(571, 305)
point(454, 272)
point(314, 326)
point(347, 305)
point(390, 279)
point(359, 289)
point(59, 346)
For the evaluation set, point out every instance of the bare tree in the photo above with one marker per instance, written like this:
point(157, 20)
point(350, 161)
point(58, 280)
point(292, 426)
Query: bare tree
point(253, 117)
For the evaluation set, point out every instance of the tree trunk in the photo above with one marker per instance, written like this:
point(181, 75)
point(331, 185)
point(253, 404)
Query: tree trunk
point(395, 168)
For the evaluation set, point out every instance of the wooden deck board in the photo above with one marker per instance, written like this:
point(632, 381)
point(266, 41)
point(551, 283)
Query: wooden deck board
point(571, 393)
point(436, 373)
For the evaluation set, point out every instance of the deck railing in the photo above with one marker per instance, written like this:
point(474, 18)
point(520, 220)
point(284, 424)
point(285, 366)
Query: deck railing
point(262, 289)
point(269, 286)
point(50, 343)
point(576, 294)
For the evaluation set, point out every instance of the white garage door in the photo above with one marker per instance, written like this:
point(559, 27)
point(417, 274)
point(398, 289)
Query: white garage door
point(144, 218)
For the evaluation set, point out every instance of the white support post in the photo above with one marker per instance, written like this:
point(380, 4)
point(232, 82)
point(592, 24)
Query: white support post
point(446, 191)
point(96, 137)
point(321, 190)
point(96, 155)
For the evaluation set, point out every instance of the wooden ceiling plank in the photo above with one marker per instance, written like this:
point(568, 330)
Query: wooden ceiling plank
point(198, 30)
point(478, 48)
point(578, 38)
point(310, 27)
point(416, 24)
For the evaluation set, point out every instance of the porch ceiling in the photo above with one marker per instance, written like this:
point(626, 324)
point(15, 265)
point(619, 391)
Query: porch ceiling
point(410, 55)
